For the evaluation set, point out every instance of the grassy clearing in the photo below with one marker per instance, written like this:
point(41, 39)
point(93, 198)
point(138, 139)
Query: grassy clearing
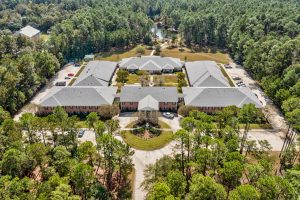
point(131, 178)
point(133, 78)
point(189, 56)
point(147, 145)
point(257, 126)
point(45, 37)
point(227, 76)
point(81, 124)
point(274, 156)
point(164, 125)
point(120, 54)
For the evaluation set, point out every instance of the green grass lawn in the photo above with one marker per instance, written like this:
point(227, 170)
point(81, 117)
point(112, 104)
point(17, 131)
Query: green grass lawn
point(218, 57)
point(147, 145)
point(81, 124)
point(133, 78)
point(257, 126)
point(164, 125)
point(120, 54)
point(168, 80)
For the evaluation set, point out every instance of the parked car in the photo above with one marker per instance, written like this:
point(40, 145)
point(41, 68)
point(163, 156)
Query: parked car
point(242, 85)
point(71, 74)
point(168, 115)
point(67, 77)
point(236, 78)
point(77, 65)
point(228, 66)
point(81, 133)
point(61, 83)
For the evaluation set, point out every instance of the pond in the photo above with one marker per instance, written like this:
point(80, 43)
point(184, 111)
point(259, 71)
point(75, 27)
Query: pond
point(160, 32)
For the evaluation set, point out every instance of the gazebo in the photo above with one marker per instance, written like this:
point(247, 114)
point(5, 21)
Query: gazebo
point(148, 109)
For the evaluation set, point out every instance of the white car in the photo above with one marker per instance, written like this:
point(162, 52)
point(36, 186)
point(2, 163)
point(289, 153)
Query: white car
point(168, 115)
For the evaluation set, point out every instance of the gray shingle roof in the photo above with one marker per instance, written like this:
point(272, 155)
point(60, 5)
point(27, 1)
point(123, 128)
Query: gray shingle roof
point(79, 96)
point(136, 93)
point(29, 31)
point(219, 96)
point(150, 63)
point(96, 73)
point(205, 74)
point(148, 103)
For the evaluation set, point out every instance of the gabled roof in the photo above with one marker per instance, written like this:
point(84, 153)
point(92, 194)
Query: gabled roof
point(205, 74)
point(133, 66)
point(96, 73)
point(150, 62)
point(137, 93)
point(167, 66)
point(29, 31)
point(219, 96)
point(79, 96)
point(151, 66)
point(148, 103)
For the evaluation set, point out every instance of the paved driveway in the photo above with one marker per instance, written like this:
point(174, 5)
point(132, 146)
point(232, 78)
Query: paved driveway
point(273, 114)
point(59, 76)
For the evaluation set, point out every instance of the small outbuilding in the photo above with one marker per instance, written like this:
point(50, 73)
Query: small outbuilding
point(89, 57)
point(30, 33)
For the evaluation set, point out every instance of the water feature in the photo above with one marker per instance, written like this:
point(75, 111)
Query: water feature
point(160, 32)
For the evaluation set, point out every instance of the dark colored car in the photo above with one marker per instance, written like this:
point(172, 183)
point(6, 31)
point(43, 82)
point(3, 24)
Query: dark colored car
point(81, 133)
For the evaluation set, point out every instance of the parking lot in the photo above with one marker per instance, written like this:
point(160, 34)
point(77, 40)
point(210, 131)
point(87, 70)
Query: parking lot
point(59, 76)
point(272, 113)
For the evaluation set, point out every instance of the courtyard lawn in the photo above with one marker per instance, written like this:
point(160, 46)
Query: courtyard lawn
point(120, 54)
point(151, 144)
point(218, 57)
point(168, 80)
point(133, 78)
